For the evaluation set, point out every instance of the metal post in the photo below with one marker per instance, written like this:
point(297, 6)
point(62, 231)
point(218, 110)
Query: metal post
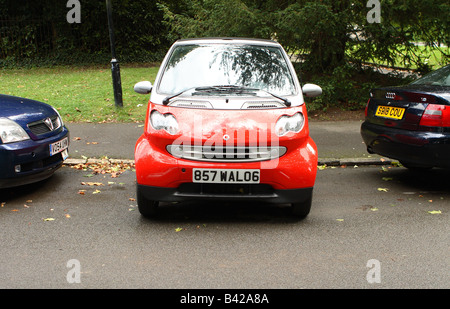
point(115, 68)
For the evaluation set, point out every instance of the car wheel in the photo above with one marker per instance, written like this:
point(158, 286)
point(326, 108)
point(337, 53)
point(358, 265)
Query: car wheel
point(302, 209)
point(147, 208)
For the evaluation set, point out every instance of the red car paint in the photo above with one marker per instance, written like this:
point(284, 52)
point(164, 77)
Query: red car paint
point(296, 169)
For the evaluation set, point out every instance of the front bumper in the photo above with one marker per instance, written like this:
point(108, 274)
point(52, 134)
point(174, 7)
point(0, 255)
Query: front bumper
point(414, 147)
point(34, 160)
point(225, 192)
point(163, 177)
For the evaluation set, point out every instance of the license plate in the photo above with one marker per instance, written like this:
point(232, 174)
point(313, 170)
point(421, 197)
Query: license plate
point(390, 112)
point(200, 175)
point(59, 146)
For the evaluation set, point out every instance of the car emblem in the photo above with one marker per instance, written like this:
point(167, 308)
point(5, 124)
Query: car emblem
point(226, 137)
point(390, 95)
point(49, 123)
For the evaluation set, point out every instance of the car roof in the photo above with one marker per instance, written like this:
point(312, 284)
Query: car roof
point(227, 40)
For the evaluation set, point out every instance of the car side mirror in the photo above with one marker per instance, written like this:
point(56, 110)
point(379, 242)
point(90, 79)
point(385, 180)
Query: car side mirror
point(311, 90)
point(143, 87)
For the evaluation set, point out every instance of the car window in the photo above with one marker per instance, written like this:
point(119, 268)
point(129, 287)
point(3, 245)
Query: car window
point(440, 77)
point(254, 66)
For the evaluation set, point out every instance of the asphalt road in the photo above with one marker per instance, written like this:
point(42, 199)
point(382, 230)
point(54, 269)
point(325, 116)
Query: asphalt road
point(360, 216)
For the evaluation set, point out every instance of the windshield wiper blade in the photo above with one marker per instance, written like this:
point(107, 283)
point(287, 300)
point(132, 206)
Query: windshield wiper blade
point(286, 101)
point(167, 99)
point(225, 88)
point(234, 88)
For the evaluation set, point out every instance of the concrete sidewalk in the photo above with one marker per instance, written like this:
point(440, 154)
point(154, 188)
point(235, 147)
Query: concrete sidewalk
point(338, 142)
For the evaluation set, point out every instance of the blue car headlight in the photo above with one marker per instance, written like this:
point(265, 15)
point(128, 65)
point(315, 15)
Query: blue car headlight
point(11, 132)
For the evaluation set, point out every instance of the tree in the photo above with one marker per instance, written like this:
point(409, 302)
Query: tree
point(324, 34)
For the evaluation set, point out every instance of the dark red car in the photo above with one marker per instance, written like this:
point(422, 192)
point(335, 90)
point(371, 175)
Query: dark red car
point(411, 123)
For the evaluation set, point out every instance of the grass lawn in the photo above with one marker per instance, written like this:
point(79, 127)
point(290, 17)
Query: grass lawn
point(81, 94)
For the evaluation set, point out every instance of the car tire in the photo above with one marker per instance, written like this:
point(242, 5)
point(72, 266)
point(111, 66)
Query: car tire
point(147, 208)
point(301, 210)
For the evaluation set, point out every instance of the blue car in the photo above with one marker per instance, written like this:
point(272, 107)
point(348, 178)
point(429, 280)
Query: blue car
point(33, 141)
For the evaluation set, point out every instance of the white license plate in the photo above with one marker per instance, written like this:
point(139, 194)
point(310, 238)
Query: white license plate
point(59, 146)
point(201, 175)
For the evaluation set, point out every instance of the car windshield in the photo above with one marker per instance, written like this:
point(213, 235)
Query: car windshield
point(440, 77)
point(251, 66)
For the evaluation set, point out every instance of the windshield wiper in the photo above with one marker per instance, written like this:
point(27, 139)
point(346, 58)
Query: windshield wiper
point(223, 89)
point(167, 99)
point(239, 89)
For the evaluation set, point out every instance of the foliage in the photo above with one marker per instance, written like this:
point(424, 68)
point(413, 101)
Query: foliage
point(324, 34)
point(138, 37)
point(330, 41)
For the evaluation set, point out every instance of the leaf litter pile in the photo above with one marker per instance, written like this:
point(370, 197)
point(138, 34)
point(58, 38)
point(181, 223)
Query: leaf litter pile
point(105, 167)
point(102, 167)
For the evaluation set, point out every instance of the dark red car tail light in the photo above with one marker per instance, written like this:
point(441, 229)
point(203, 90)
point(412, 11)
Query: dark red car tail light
point(367, 107)
point(436, 115)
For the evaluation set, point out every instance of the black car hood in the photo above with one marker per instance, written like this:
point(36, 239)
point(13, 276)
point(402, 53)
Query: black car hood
point(23, 110)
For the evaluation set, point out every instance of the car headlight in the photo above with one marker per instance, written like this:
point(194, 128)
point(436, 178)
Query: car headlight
point(61, 122)
point(11, 132)
point(166, 122)
point(286, 124)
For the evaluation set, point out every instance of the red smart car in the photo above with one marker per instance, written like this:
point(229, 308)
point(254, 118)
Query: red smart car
point(226, 121)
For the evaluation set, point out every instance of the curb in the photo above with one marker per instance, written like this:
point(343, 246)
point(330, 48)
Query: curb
point(321, 161)
point(355, 161)
point(71, 161)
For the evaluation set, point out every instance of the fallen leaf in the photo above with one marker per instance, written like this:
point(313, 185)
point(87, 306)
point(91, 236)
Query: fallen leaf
point(49, 219)
point(383, 189)
point(387, 178)
point(82, 192)
point(340, 220)
point(92, 183)
point(435, 212)
point(96, 191)
point(178, 229)
point(67, 215)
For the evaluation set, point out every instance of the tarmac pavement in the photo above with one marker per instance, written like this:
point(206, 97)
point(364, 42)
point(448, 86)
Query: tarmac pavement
point(338, 142)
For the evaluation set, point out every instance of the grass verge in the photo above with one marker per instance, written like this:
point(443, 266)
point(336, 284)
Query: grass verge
point(81, 94)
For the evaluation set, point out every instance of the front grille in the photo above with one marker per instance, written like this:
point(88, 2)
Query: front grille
point(226, 189)
point(226, 154)
point(41, 164)
point(41, 127)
